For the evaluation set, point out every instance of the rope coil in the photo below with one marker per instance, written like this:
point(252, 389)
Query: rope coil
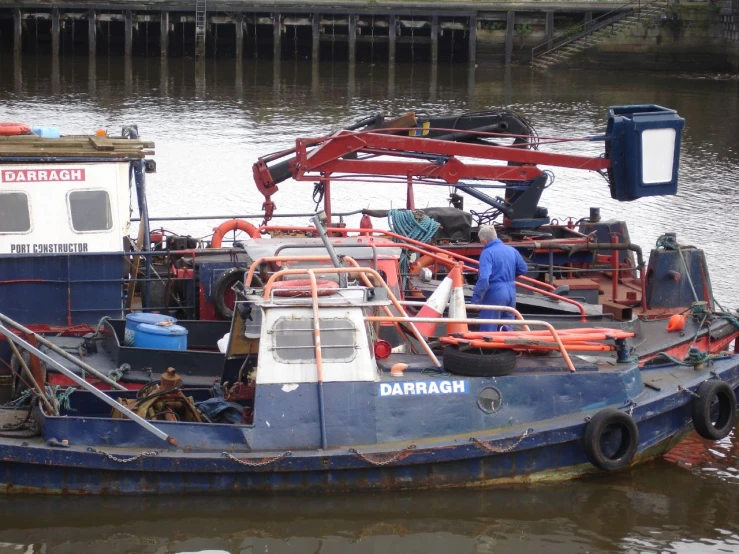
point(415, 225)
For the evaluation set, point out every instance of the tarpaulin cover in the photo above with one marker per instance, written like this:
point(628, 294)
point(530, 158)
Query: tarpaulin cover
point(455, 224)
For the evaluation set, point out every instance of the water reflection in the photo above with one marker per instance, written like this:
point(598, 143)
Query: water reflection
point(651, 510)
point(211, 121)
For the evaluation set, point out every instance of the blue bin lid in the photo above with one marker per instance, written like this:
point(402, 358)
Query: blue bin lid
point(169, 330)
point(142, 317)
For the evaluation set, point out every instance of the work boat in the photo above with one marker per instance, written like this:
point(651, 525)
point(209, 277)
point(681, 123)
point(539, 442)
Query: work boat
point(81, 274)
point(320, 407)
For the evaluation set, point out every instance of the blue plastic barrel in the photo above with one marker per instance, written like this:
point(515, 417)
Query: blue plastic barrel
point(134, 320)
point(163, 337)
point(46, 132)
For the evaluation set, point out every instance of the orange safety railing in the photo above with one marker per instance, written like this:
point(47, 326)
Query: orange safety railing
point(364, 272)
point(514, 311)
point(418, 246)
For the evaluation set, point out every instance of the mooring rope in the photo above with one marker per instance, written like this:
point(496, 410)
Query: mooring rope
point(415, 225)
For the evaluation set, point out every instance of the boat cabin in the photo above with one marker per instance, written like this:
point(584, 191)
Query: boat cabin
point(65, 217)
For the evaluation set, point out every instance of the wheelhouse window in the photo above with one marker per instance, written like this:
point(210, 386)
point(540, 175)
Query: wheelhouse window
point(15, 213)
point(90, 210)
point(293, 343)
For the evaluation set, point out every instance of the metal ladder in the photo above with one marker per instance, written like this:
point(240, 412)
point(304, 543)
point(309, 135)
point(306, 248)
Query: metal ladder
point(200, 28)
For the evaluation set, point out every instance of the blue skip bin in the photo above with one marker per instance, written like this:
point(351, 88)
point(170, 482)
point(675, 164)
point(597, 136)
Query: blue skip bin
point(162, 337)
point(133, 321)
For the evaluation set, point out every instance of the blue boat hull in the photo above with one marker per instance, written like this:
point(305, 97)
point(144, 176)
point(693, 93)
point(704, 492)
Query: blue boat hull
point(547, 450)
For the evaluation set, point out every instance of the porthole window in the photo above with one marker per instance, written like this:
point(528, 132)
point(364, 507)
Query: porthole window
point(489, 400)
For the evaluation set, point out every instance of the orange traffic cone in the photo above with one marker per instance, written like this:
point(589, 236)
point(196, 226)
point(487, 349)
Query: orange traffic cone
point(457, 309)
point(434, 307)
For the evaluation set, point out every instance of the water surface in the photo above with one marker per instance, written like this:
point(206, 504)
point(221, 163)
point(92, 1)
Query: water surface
point(210, 123)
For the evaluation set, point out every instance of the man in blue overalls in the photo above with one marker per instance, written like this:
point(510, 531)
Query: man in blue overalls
point(500, 264)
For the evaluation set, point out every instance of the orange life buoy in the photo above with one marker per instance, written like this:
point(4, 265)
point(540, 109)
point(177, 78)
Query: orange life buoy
point(427, 260)
point(301, 287)
point(12, 129)
point(232, 225)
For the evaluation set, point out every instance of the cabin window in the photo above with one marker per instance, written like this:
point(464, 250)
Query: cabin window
point(292, 340)
point(90, 210)
point(15, 213)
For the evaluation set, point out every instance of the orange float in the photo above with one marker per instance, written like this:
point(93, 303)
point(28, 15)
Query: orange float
point(676, 323)
point(12, 129)
point(232, 225)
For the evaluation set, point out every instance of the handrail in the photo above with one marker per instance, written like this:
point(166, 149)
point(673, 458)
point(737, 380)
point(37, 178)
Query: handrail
point(264, 259)
point(427, 248)
point(389, 318)
point(589, 27)
point(545, 324)
point(514, 311)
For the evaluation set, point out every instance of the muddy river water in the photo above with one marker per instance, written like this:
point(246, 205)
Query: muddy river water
point(210, 122)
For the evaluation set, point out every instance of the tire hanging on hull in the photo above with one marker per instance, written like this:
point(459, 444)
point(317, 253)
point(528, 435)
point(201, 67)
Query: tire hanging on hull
point(714, 411)
point(604, 448)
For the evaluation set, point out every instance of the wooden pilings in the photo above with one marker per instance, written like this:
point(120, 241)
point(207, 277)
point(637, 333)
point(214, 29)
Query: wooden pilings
point(352, 38)
point(17, 31)
point(91, 33)
point(277, 36)
point(55, 32)
point(434, 39)
point(316, 37)
point(164, 35)
point(239, 52)
point(510, 31)
point(259, 30)
point(128, 33)
point(392, 34)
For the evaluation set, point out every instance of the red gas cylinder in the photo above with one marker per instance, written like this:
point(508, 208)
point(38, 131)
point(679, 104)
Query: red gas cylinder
point(365, 223)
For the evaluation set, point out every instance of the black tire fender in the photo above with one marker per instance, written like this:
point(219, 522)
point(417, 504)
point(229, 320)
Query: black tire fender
point(495, 362)
point(599, 427)
point(711, 395)
point(224, 282)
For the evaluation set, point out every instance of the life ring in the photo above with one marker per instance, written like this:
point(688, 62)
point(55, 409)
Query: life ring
point(476, 363)
point(222, 296)
point(427, 260)
point(714, 412)
point(604, 448)
point(12, 129)
point(232, 225)
point(301, 287)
